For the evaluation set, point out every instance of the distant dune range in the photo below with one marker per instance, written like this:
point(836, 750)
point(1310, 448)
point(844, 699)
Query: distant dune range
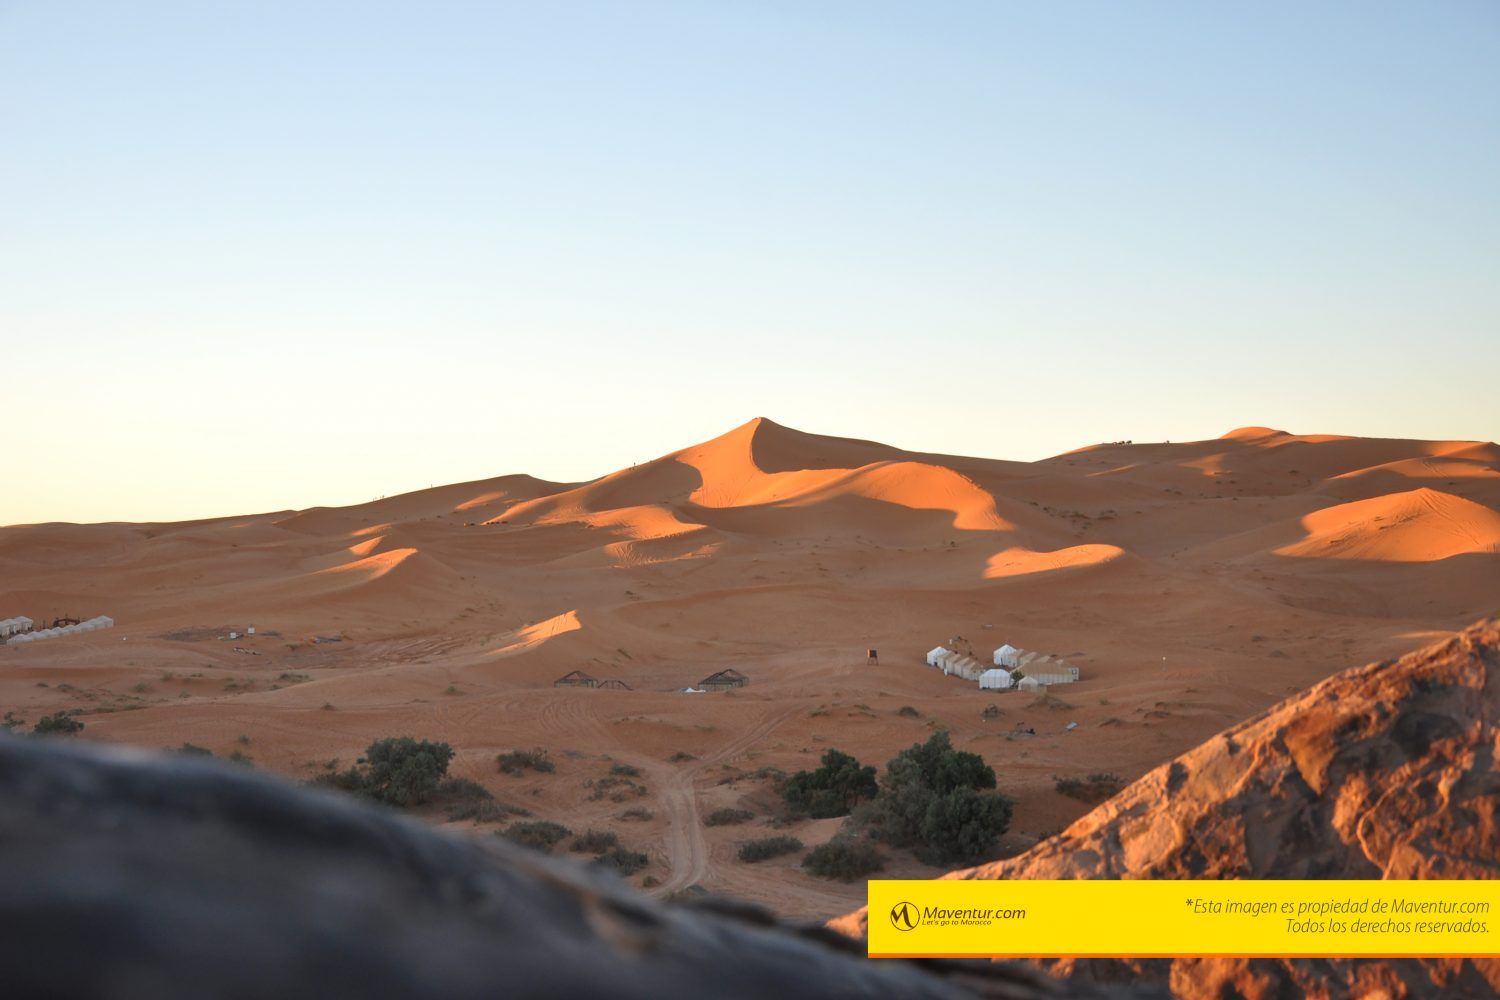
point(1193, 583)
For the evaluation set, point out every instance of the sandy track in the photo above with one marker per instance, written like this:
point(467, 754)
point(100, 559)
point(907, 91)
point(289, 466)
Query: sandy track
point(687, 851)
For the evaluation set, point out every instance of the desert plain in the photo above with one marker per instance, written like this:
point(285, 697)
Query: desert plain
point(1192, 583)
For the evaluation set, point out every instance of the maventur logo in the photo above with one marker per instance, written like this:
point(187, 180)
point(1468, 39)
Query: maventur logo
point(905, 916)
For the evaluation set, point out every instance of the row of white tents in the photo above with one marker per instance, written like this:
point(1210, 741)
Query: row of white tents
point(1036, 670)
point(14, 626)
point(91, 625)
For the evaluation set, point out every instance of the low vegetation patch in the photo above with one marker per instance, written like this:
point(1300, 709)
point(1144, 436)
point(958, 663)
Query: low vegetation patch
point(766, 848)
point(844, 858)
point(625, 770)
point(61, 724)
point(538, 834)
point(906, 711)
point(594, 842)
point(624, 861)
point(728, 817)
point(1093, 789)
point(637, 814)
point(520, 761)
point(615, 788)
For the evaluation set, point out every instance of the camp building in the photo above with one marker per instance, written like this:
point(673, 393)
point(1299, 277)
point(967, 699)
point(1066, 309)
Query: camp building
point(724, 680)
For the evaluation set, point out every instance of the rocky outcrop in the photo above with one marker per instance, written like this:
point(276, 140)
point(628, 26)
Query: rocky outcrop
point(144, 876)
point(1383, 771)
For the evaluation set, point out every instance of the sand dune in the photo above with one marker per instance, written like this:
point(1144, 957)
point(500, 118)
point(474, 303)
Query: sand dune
point(1194, 583)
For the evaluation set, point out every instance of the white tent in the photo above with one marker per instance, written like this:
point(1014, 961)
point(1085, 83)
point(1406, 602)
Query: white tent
point(935, 654)
point(1054, 673)
point(1031, 684)
point(105, 621)
point(995, 680)
point(17, 640)
point(1006, 655)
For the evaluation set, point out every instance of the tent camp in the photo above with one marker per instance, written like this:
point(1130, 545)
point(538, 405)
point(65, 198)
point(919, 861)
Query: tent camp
point(1031, 684)
point(935, 654)
point(995, 679)
point(14, 626)
point(1006, 656)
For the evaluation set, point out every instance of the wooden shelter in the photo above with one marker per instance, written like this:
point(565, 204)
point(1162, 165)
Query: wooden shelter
point(724, 680)
point(577, 679)
point(612, 684)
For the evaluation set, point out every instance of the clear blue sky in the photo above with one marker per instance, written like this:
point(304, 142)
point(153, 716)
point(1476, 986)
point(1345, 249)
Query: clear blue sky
point(272, 254)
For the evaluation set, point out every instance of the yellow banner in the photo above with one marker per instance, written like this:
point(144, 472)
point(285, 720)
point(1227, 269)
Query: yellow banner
point(1138, 918)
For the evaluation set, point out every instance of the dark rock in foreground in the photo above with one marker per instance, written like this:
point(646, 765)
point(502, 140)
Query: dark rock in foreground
point(144, 876)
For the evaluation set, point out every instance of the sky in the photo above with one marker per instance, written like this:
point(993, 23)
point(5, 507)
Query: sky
point(268, 255)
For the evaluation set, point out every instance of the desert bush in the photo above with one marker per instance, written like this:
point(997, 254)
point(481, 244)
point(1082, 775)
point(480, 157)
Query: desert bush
point(518, 761)
point(594, 842)
point(397, 771)
point(193, 750)
point(1093, 789)
point(402, 771)
point(728, 817)
point(765, 848)
point(616, 788)
point(908, 712)
point(844, 858)
point(637, 814)
point(831, 790)
point(539, 834)
point(624, 861)
point(625, 770)
point(940, 801)
point(60, 724)
point(679, 756)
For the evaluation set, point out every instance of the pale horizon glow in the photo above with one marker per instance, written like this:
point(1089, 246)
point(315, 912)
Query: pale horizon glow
point(258, 257)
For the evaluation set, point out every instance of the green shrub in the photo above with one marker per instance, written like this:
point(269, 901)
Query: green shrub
point(538, 834)
point(728, 817)
point(844, 858)
point(594, 842)
point(402, 771)
point(625, 770)
point(518, 761)
point(624, 861)
point(397, 771)
point(1093, 789)
point(831, 790)
point(939, 800)
point(679, 756)
point(60, 724)
point(752, 851)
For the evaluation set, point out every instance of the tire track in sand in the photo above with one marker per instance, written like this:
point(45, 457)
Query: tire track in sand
point(687, 850)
